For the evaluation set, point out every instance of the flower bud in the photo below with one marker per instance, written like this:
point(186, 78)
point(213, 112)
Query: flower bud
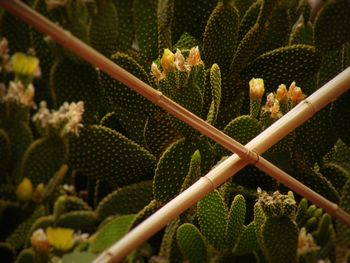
point(180, 62)
point(281, 94)
point(60, 238)
point(194, 57)
point(40, 242)
point(24, 190)
point(24, 65)
point(157, 74)
point(256, 88)
point(167, 61)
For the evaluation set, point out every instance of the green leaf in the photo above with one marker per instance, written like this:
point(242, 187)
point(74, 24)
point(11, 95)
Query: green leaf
point(192, 243)
point(212, 216)
point(110, 233)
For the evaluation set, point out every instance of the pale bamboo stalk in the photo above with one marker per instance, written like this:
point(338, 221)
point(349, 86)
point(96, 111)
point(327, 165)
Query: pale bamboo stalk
point(298, 115)
point(66, 39)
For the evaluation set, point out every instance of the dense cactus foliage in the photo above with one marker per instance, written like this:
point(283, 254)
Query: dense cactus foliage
point(84, 159)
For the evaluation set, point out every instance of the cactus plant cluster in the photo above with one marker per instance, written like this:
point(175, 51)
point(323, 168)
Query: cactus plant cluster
point(84, 159)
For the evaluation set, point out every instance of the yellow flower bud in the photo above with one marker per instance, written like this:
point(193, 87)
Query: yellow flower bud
point(24, 190)
point(281, 93)
point(194, 57)
point(295, 94)
point(168, 61)
point(256, 88)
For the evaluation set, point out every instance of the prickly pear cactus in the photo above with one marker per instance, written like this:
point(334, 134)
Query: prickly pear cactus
point(84, 159)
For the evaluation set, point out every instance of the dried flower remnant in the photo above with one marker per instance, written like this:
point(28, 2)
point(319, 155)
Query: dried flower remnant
point(306, 243)
point(66, 120)
point(157, 74)
point(39, 241)
point(5, 64)
point(194, 57)
point(180, 62)
point(275, 110)
point(17, 93)
point(256, 88)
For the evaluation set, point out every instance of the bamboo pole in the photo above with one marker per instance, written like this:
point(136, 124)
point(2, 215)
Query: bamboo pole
point(302, 112)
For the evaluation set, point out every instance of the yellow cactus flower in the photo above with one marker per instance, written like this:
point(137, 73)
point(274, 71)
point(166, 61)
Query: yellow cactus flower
point(256, 88)
point(60, 238)
point(295, 93)
point(168, 60)
point(24, 190)
point(25, 65)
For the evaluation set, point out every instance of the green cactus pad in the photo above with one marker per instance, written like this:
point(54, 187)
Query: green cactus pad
point(84, 221)
point(280, 235)
point(104, 28)
point(127, 200)
point(301, 213)
point(112, 121)
point(186, 42)
point(73, 82)
point(126, 28)
point(169, 247)
point(324, 230)
point(120, 97)
point(192, 243)
point(277, 32)
point(43, 158)
point(259, 220)
point(20, 136)
point(26, 256)
point(110, 233)
point(159, 133)
point(215, 86)
point(5, 153)
point(336, 174)
point(146, 27)
point(302, 34)
point(191, 16)
point(212, 217)
point(340, 117)
point(18, 237)
point(249, 19)
point(315, 138)
point(220, 35)
point(243, 129)
point(78, 257)
point(165, 18)
point(343, 232)
point(66, 203)
point(243, 5)
point(100, 152)
point(247, 242)
point(174, 164)
point(275, 66)
point(332, 25)
point(318, 183)
point(194, 171)
point(236, 219)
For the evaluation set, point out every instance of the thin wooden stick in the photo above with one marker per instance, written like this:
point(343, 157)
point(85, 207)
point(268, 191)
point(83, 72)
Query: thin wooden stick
point(289, 122)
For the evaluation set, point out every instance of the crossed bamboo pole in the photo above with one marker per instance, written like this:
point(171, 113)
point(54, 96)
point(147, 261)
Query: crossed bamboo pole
point(243, 154)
